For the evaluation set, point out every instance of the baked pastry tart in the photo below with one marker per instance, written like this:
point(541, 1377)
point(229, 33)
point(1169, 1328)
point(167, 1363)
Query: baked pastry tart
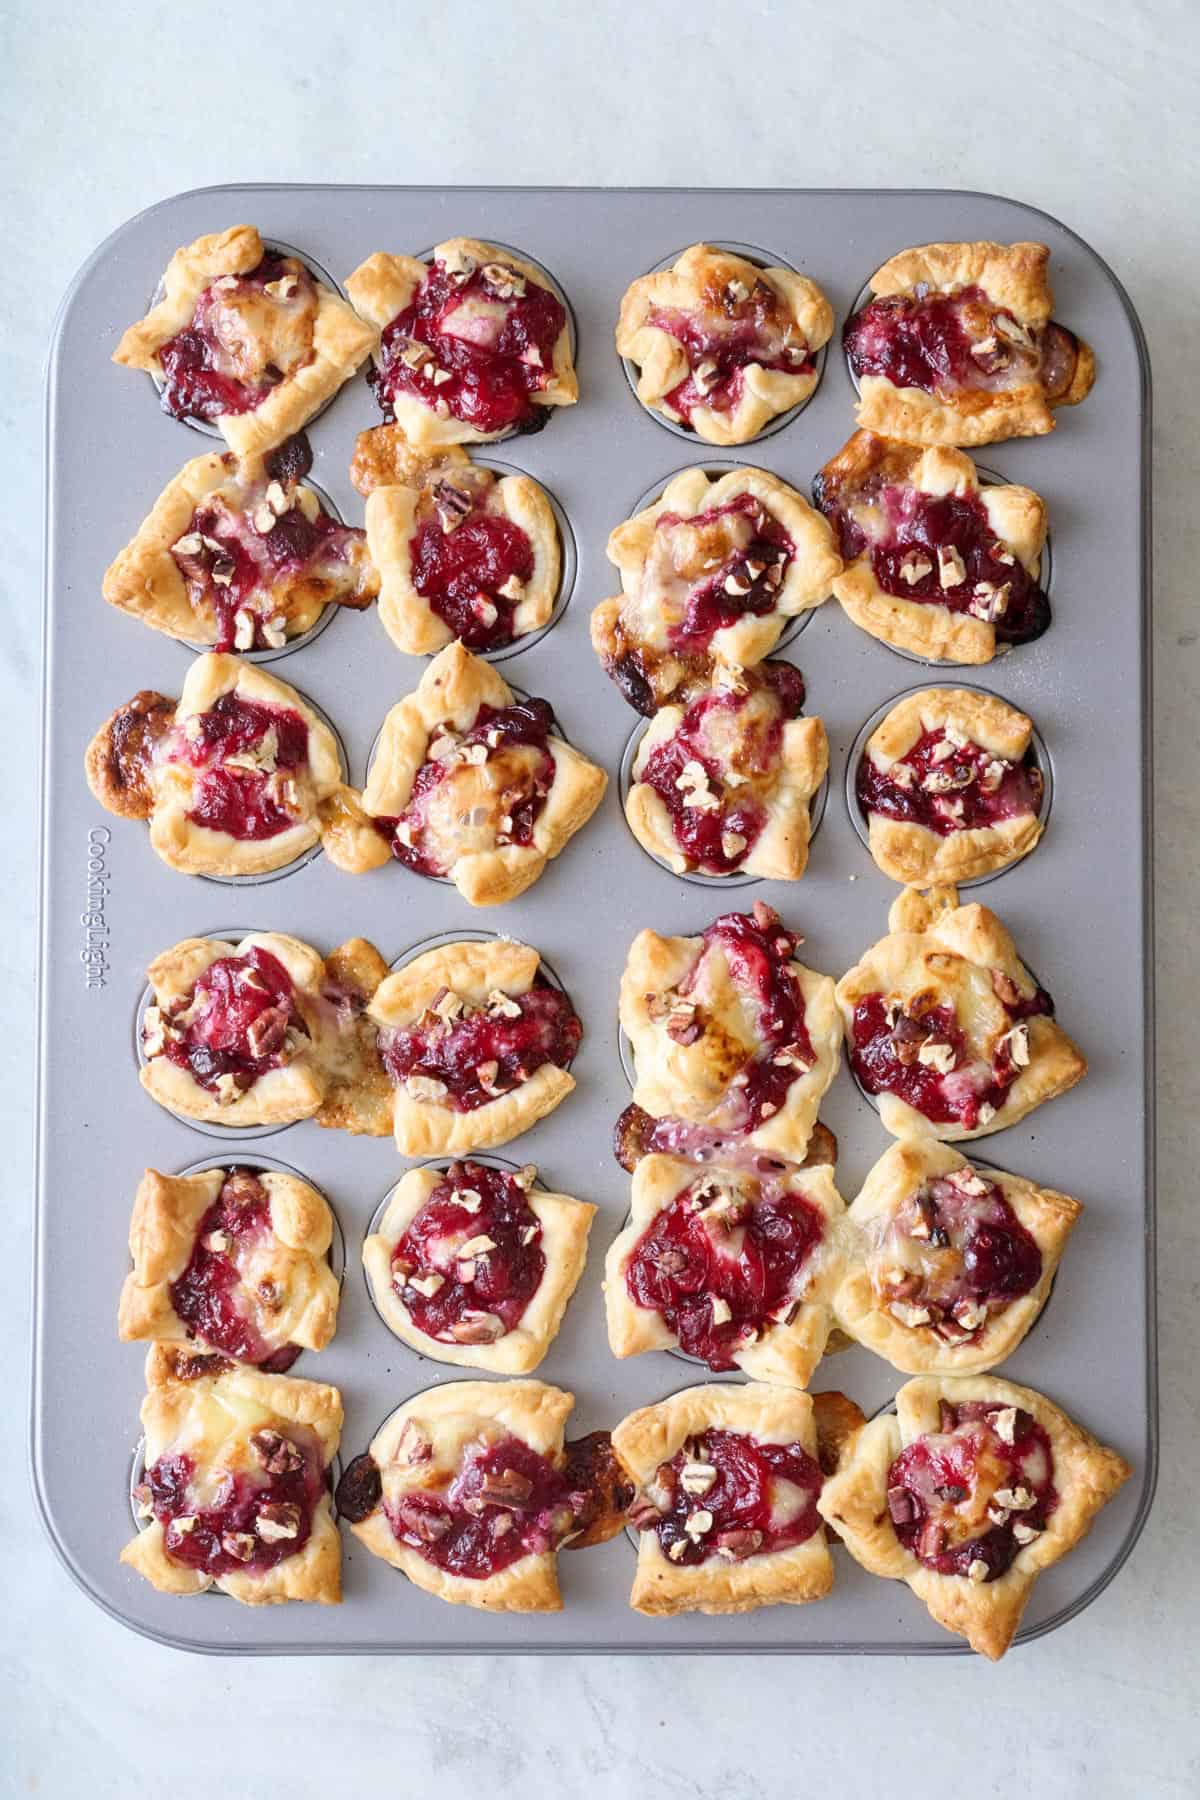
point(730, 1033)
point(235, 1491)
point(636, 1134)
point(726, 1505)
point(946, 1025)
point(734, 1267)
point(723, 345)
point(475, 1265)
point(935, 563)
point(236, 1259)
point(461, 551)
point(967, 1492)
point(949, 787)
point(957, 346)
point(237, 553)
point(233, 779)
point(472, 346)
point(471, 783)
point(955, 1262)
point(245, 339)
point(477, 1043)
point(724, 784)
point(465, 1490)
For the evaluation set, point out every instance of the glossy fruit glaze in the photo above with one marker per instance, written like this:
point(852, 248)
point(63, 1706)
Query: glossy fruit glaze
point(461, 573)
point(199, 373)
point(747, 579)
point(949, 784)
point(738, 1506)
point(473, 348)
point(259, 1514)
point(237, 1021)
point(481, 1293)
point(948, 1491)
point(208, 1296)
point(935, 341)
point(719, 346)
point(246, 756)
point(483, 1051)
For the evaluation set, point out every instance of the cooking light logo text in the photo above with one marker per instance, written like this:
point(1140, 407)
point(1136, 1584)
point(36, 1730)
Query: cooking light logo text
point(96, 931)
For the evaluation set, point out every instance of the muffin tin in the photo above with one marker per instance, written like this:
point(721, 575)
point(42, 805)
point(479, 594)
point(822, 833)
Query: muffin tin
point(1078, 905)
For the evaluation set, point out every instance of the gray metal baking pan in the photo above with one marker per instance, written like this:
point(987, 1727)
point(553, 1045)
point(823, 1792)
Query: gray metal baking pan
point(1078, 904)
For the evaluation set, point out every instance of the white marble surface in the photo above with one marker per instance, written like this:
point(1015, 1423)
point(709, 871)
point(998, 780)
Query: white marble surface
point(1086, 109)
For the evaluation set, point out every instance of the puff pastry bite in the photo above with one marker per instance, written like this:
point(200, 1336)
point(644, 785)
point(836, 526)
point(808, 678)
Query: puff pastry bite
point(726, 1508)
point(461, 552)
point(475, 1265)
point(471, 347)
point(723, 345)
point(465, 1490)
point(725, 783)
point(957, 346)
point(730, 1033)
point(236, 1485)
point(949, 787)
point(477, 1043)
point(232, 780)
point(935, 563)
point(946, 1025)
point(471, 783)
point(955, 1262)
point(712, 571)
point(967, 1492)
point(245, 339)
point(239, 554)
point(734, 1267)
point(236, 1259)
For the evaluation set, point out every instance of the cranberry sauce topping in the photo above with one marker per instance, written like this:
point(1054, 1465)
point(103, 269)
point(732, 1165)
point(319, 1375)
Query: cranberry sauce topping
point(713, 774)
point(940, 343)
point(506, 1501)
point(953, 1255)
point(968, 1497)
point(948, 783)
point(920, 1054)
point(723, 1261)
point(728, 1494)
point(225, 360)
point(475, 344)
point(234, 1028)
point(206, 1296)
point(734, 558)
point(248, 1519)
point(462, 1056)
point(471, 1261)
point(472, 568)
point(246, 755)
point(747, 326)
point(507, 748)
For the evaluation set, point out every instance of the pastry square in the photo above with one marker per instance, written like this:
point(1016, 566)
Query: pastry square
point(948, 1027)
point(935, 563)
point(236, 1259)
point(734, 1266)
point(236, 1482)
point(232, 779)
point(461, 551)
point(967, 1492)
point(247, 339)
point(957, 346)
point(954, 1263)
point(239, 554)
point(477, 1043)
point(723, 345)
point(725, 783)
point(464, 1489)
point(730, 1032)
point(471, 347)
point(711, 572)
point(471, 783)
point(726, 1507)
point(949, 787)
point(474, 1265)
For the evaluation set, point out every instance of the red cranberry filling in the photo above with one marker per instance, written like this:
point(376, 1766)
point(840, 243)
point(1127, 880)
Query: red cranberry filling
point(719, 1265)
point(256, 1518)
point(471, 1261)
point(205, 1296)
point(199, 364)
point(479, 367)
point(462, 574)
point(246, 755)
point(505, 1502)
point(973, 1257)
point(718, 349)
point(237, 1021)
point(967, 1498)
point(478, 1053)
point(949, 784)
point(729, 1494)
point(747, 581)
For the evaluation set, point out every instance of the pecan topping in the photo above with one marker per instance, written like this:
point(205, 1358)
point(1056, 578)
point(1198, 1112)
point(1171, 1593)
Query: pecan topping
point(277, 1454)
